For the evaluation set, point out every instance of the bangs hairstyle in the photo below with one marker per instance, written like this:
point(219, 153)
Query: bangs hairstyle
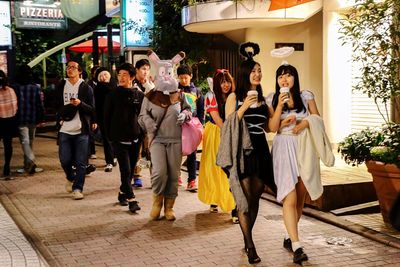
point(295, 90)
point(243, 84)
point(220, 77)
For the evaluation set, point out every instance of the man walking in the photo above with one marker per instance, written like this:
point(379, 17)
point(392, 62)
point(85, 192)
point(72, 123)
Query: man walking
point(75, 105)
point(30, 113)
point(121, 111)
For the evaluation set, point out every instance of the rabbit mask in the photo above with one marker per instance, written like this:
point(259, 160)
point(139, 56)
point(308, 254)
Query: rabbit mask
point(164, 80)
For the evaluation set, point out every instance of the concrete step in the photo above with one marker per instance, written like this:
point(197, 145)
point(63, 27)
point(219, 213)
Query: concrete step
point(364, 208)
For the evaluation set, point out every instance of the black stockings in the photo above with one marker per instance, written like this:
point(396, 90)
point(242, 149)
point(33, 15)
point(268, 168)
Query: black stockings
point(252, 188)
point(8, 151)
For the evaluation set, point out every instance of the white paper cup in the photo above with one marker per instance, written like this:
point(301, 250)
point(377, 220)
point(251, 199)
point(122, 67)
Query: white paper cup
point(285, 90)
point(253, 92)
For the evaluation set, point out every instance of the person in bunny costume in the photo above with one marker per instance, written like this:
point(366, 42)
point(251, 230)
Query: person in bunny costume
point(163, 111)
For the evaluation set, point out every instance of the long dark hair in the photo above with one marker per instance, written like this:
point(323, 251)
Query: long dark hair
point(295, 90)
point(243, 83)
point(3, 80)
point(219, 77)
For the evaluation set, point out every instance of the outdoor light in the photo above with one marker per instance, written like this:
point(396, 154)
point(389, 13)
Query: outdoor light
point(57, 2)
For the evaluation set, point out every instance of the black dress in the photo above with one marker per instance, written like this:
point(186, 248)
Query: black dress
point(259, 162)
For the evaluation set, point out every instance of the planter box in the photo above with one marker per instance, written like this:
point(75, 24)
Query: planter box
point(386, 179)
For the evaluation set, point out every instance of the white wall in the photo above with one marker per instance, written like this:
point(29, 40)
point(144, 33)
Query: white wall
point(336, 77)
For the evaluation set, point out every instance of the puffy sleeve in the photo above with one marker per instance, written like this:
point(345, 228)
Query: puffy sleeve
point(307, 95)
point(269, 98)
point(210, 102)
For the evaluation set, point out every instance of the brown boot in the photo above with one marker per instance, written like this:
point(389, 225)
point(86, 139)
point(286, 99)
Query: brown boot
point(157, 206)
point(168, 209)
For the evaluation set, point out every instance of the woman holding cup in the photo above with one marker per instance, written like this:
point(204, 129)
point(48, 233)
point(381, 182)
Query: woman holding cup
point(289, 107)
point(247, 102)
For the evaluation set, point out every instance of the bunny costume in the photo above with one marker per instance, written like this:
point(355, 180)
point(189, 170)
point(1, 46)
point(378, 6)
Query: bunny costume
point(163, 111)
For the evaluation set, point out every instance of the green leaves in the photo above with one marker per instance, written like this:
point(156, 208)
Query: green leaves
point(372, 29)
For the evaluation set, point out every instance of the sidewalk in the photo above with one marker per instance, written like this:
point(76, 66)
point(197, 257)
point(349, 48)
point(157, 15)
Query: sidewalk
point(96, 231)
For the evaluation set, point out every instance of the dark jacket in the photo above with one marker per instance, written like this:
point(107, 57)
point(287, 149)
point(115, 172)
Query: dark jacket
point(121, 111)
point(30, 104)
point(199, 112)
point(85, 109)
point(100, 93)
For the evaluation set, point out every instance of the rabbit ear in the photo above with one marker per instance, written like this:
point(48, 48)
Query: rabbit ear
point(210, 82)
point(153, 57)
point(178, 57)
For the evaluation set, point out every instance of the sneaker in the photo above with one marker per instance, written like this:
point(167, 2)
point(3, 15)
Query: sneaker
point(93, 156)
point(213, 208)
point(68, 186)
point(77, 194)
point(115, 162)
point(287, 244)
point(31, 168)
point(7, 178)
point(122, 199)
point(191, 186)
point(299, 256)
point(137, 182)
point(90, 168)
point(180, 181)
point(133, 206)
point(108, 168)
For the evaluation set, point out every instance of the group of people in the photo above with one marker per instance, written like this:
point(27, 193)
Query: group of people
point(235, 148)
point(144, 117)
point(21, 110)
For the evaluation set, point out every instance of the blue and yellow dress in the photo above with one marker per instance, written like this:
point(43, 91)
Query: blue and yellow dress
point(213, 184)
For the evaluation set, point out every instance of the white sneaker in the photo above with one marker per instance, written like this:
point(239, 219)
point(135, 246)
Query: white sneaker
point(77, 194)
point(68, 186)
point(93, 156)
point(108, 168)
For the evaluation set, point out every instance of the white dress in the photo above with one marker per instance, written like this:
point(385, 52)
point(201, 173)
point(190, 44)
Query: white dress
point(284, 148)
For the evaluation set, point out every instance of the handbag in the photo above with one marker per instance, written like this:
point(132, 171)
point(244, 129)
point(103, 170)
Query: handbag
point(192, 134)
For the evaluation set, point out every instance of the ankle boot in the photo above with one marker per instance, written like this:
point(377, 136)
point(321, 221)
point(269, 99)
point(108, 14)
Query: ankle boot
point(168, 209)
point(157, 206)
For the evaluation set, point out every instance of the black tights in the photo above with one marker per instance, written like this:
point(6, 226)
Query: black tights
point(252, 188)
point(8, 151)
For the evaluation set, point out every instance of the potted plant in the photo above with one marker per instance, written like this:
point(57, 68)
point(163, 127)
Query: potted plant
point(373, 30)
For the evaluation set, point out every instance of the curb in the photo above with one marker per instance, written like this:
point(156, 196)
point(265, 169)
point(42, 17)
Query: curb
point(344, 224)
point(42, 251)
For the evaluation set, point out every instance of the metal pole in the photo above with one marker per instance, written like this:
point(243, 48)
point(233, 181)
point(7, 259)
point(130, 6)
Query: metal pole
point(44, 73)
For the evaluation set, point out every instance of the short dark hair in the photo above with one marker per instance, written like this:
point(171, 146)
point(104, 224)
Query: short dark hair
point(142, 62)
point(77, 62)
point(128, 67)
point(184, 69)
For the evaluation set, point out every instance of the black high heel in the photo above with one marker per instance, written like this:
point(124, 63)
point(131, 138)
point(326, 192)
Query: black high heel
point(252, 255)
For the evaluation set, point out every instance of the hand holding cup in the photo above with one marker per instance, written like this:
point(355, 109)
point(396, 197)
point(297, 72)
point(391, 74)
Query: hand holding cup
point(251, 93)
point(285, 90)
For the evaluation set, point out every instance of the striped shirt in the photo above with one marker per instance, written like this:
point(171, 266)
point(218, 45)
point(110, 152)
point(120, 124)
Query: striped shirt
point(8, 102)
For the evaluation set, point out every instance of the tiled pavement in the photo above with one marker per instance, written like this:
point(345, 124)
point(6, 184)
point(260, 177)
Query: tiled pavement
point(96, 231)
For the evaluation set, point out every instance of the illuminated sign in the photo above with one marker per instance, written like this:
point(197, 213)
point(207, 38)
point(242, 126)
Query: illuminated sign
point(138, 20)
point(5, 24)
point(39, 16)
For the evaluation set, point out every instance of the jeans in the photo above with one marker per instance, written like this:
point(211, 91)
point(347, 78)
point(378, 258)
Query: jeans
point(73, 151)
point(26, 136)
point(127, 156)
point(191, 165)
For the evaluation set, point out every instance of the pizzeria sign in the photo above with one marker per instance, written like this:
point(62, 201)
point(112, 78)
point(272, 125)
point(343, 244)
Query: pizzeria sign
point(39, 16)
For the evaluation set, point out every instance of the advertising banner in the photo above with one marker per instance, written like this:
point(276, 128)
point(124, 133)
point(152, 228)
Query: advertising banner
point(5, 24)
point(138, 20)
point(38, 15)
